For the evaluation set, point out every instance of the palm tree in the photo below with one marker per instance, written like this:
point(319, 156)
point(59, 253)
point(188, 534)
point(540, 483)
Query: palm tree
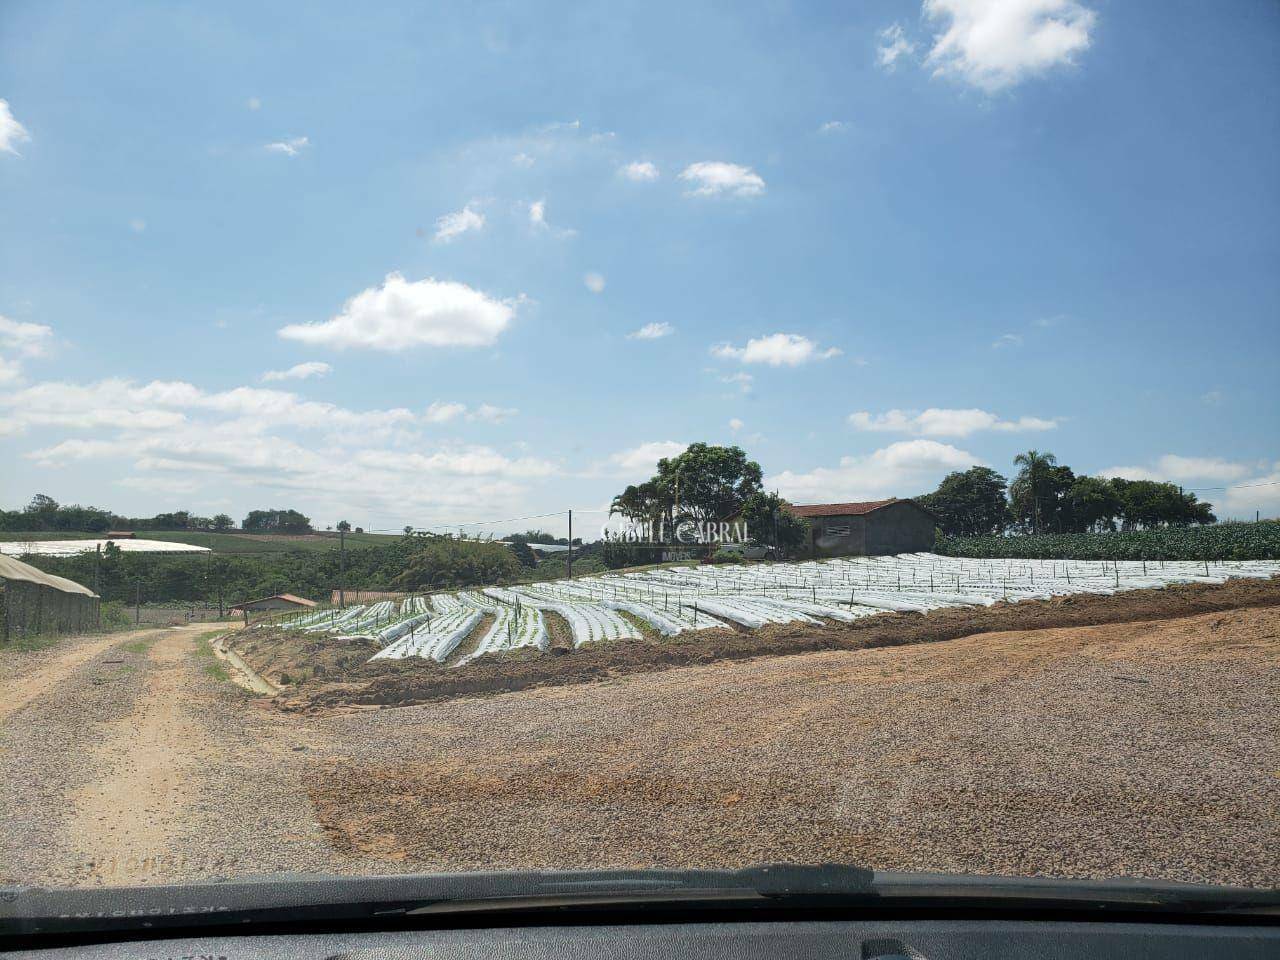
point(1034, 466)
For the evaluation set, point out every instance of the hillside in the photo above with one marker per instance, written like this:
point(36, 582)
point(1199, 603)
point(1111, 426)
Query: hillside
point(228, 543)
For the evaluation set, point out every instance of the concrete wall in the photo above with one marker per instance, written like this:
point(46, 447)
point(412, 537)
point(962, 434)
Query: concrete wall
point(898, 528)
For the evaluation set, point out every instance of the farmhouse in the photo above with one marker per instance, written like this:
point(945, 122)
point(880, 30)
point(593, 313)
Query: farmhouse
point(867, 529)
point(281, 601)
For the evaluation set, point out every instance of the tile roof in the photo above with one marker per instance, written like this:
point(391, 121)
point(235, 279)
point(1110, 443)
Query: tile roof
point(840, 509)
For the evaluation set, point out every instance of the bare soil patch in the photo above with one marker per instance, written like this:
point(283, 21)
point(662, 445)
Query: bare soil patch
point(1144, 749)
point(472, 640)
point(414, 680)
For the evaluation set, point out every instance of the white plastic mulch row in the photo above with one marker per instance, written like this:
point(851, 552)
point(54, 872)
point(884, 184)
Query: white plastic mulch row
point(513, 628)
point(675, 599)
point(437, 638)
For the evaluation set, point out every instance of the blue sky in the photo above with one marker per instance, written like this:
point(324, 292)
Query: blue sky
point(430, 265)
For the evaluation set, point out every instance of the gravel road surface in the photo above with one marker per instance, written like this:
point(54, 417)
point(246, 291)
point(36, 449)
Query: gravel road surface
point(1147, 749)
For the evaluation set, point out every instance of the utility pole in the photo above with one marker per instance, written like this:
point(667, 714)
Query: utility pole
point(137, 603)
point(569, 555)
point(342, 568)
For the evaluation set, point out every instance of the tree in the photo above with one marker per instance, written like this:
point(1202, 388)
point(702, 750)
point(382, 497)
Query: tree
point(276, 521)
point(969, 503)
point(1029, 492)
point(709, 483)
point(441, 562)
point(769, 521)
point(523, 552)
point(344, 526)
point(1147, 504)
point(1094, 505)
point(222, 522)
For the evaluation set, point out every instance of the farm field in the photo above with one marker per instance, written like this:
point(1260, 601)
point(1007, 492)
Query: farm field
point(671, 601)
point(219, 543)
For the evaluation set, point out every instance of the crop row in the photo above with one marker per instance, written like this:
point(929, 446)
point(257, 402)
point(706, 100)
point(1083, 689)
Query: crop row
point(1220, 541)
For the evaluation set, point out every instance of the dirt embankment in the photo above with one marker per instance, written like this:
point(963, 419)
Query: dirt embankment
point(329, 674)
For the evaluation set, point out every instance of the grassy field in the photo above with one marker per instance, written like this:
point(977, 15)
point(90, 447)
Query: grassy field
point(228, 543)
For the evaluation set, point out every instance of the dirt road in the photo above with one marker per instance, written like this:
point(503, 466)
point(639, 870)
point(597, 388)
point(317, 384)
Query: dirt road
point(135, 761)
point(1147, 748)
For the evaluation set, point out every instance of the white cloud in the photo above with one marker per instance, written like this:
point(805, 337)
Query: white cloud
point(776, 350)
point(652, 331)
point(995, 44)
point(893, 46)
point(1007, 340)
point(253, 103)
point(639, 171)
point(1172, 468)
point(290, 148)
point(833, 126)
point(441, 411)
point(538, 221)
point(453, 225)
point(523, 160)
point(10, 370)
point(735, 424)
point(11, 131)
point(299, 371)
point(1211, 398)
point(1260, 494)
point(166, 404)
point(901, 469)
point(643, 459)
point(401, 314)
point(942, 422)
point(137, 225)
point(446, 411)
point(489, 413)
point(713, 178)
point(594, 282)
point(741, 379)
point(25, 339)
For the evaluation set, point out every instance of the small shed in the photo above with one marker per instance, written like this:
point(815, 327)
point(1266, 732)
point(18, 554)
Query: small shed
point(280, 601)
point(120, 535)
point(868, 528)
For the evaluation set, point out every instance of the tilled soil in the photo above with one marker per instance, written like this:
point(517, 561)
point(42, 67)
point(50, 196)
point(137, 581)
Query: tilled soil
point(416, 680)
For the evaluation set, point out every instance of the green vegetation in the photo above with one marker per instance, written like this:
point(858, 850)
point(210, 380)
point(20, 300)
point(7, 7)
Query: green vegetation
point(1046, 497)
point(210, 662)
point(703, 484)
point(440, 562)
point(1222, 541)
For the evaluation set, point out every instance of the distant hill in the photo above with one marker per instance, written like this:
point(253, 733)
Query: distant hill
point(227, 543)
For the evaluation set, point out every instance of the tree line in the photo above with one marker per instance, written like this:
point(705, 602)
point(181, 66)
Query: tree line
point(45, 514)
point(1048, 497)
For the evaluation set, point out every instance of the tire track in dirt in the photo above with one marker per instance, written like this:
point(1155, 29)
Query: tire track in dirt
point(123, 823)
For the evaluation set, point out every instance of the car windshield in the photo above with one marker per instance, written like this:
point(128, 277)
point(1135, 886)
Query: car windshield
point(471, 438)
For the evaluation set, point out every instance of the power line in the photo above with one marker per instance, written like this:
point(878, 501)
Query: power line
point(1238, 486)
